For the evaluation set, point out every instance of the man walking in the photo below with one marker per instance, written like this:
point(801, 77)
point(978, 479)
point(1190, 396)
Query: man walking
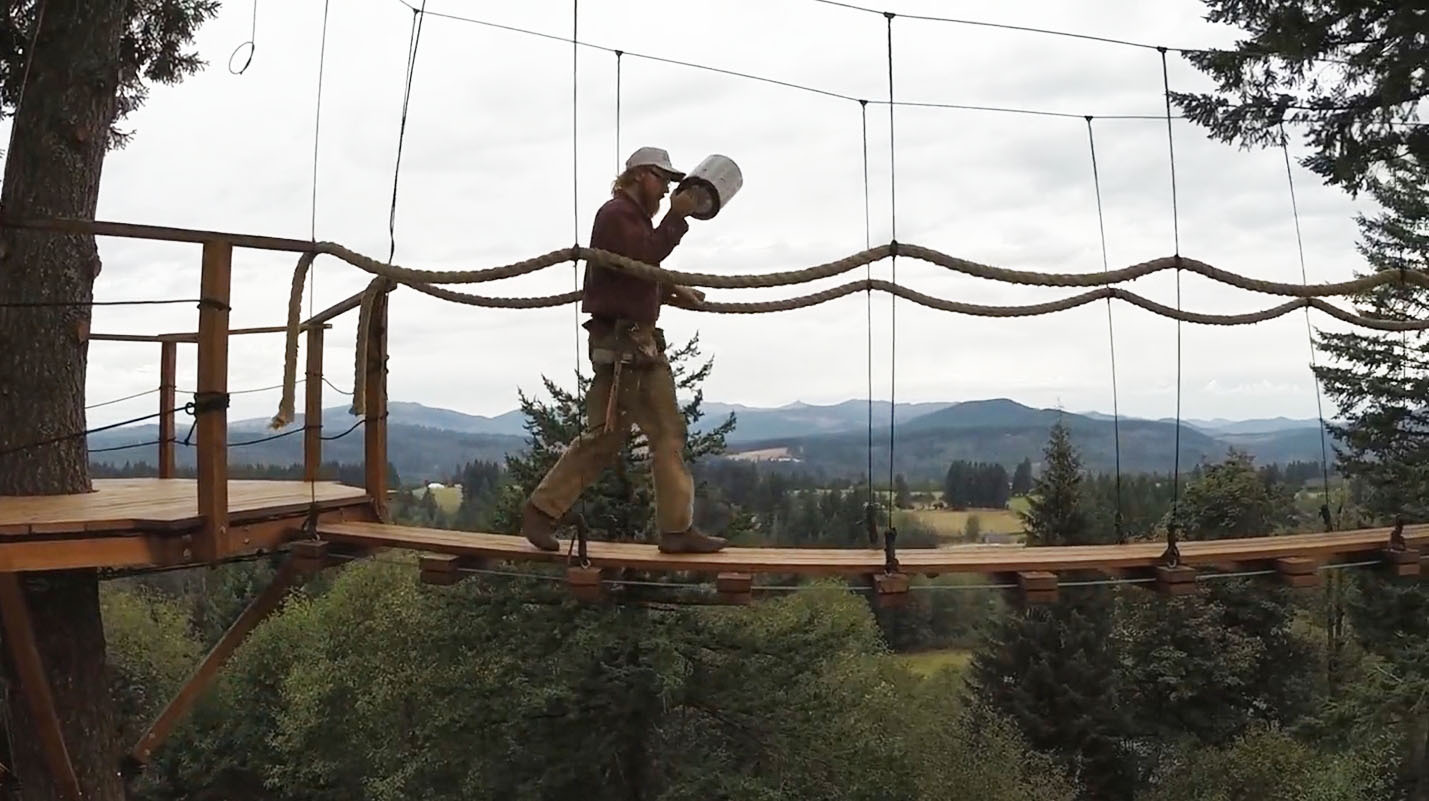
point(633, 382)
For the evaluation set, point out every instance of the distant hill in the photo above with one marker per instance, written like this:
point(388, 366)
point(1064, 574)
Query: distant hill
point(426, 443)
point(1004, 431)
point(801, 419)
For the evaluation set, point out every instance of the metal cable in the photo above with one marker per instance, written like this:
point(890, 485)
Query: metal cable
point(1111, 337)
point(893, 267)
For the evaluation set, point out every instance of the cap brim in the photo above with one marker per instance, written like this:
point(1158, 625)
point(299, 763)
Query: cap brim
point(673, 175)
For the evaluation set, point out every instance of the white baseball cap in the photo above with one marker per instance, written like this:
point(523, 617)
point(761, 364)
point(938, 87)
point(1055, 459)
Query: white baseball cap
point(654, 157)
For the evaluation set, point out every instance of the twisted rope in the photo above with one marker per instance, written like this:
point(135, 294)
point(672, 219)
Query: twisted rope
point(425, 281)
point(407, 275)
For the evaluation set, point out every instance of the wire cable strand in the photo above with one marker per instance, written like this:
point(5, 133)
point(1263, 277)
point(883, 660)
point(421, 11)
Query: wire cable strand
point(1309, 330)
point(893, 267)
point(1111, 337)
point(1176, 237)
point(754, 77)
point(419, 15)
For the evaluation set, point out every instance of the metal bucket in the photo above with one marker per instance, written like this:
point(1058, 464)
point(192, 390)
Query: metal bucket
point(712, 183)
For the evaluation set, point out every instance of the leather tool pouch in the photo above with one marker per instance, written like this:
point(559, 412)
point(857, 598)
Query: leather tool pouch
point(625, 342)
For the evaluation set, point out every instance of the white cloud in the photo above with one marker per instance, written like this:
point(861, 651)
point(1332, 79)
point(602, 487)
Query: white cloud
point(486, 179)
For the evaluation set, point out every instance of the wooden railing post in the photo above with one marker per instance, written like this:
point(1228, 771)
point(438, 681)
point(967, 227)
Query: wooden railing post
point(168, 366)
point(313, 411)
point(212, 399)
point(376, 390)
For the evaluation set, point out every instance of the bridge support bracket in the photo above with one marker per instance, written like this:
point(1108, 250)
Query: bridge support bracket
point(735, 588)
point(1298, 571)
point(1176, 581)
point(585, 583)
point(890, 590)
point(444, 569)
point(1037, 586)
point(1402, 562)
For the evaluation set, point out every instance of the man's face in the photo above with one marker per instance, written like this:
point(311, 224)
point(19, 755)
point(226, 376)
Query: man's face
point(653, 187)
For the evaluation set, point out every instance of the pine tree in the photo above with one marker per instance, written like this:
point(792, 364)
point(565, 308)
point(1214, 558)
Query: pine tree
point(1049, 668)
point(1356, 112)
point(1022, 478)
point(1380, 385)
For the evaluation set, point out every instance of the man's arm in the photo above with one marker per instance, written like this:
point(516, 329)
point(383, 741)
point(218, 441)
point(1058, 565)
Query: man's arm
point(619, 229)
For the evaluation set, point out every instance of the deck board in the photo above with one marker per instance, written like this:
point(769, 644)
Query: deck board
point(817, 561)
point(153, 504)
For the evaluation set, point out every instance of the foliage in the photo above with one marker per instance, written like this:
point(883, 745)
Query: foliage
point(150, 652)
point(1378, 380)
point(1048, 668)
point(1022, 478)
point(1267, 764)
point(977, 484)
point(1348, 73)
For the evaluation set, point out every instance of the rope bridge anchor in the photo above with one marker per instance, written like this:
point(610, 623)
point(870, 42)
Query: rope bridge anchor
point(1398, 556)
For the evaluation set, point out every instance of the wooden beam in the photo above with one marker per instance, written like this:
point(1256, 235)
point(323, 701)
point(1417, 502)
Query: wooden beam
point(213, 389)
point(1298, 571)
point(890, 589)
point(1037, 586)
point(168, 366)
point(162, 233)
point(189, 337)
point(337, 309)
point(585, 583)
point(294, 570)
point(375, 435)
point(313, 409)
point(34, 686)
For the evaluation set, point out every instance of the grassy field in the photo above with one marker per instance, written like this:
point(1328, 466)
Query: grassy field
point(448, 498)
point(950, 524)
point(926, 663)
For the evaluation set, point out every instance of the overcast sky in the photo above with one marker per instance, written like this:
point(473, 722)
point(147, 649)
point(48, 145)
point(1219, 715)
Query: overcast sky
point(487, 179)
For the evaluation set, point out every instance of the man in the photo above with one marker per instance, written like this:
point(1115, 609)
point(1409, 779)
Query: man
point(633, 382)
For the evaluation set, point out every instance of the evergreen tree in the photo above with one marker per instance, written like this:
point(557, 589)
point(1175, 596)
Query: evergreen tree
point(1379, 383)
point(1355, 113)
point(1022, 478)
point(1049, 668)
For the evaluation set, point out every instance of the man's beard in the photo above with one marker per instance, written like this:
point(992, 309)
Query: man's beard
point(651, 204)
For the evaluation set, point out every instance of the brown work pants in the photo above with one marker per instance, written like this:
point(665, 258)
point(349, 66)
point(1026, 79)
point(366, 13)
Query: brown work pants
point(645, 397)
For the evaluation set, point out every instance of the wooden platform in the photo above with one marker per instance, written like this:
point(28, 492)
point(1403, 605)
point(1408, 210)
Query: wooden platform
point(136, 522)
point(1251, 552)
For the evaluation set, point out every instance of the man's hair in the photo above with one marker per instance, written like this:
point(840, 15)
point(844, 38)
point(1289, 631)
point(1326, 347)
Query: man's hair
point(628, 178)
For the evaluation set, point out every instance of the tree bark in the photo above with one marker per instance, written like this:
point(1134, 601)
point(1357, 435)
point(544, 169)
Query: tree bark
point(59, 138)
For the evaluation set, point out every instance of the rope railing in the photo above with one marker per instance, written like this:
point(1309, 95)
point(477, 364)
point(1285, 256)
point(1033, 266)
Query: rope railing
point(387, 275)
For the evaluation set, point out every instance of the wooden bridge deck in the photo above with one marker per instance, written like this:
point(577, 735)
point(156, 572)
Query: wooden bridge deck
point(138, 522)
point(1257, 551)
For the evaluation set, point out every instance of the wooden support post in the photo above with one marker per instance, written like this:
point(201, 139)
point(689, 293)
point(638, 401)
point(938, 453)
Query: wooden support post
point(1038, 586)
point(1298, 571)
point(376, 389)
point(300, 564)
point(313, 411)
point(1176, 581)
point(890, 589)
point(1402, 562)
point(446, 569)
point(25, 656)
point(735, 588)
point(212, 400)
point(585, 583)
point(168, 366)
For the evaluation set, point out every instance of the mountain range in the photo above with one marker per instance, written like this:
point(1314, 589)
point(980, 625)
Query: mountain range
point(428, 443)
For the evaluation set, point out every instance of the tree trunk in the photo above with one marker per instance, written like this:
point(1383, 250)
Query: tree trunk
point(60, 135)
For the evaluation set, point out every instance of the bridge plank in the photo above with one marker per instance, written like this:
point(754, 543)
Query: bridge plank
point(816, 561)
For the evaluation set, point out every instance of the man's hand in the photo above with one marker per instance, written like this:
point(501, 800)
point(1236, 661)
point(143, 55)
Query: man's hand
point(682, 204)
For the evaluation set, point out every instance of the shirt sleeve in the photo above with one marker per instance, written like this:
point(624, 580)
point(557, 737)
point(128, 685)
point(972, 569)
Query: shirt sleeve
point(619, 230)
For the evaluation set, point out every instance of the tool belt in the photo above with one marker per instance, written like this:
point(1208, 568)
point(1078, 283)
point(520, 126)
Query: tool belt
point(625, 343)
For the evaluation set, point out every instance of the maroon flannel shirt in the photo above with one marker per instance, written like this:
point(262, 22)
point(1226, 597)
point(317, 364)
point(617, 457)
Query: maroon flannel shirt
point(622, 226)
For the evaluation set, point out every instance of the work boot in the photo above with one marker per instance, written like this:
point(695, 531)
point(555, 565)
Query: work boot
point(539, 528)
point(691, 540)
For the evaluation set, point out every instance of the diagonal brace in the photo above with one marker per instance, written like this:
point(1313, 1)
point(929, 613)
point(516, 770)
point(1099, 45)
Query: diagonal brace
point(20, 635)
point(306, 559)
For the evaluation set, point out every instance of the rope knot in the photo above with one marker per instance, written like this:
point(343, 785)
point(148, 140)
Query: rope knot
point(893, 247)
